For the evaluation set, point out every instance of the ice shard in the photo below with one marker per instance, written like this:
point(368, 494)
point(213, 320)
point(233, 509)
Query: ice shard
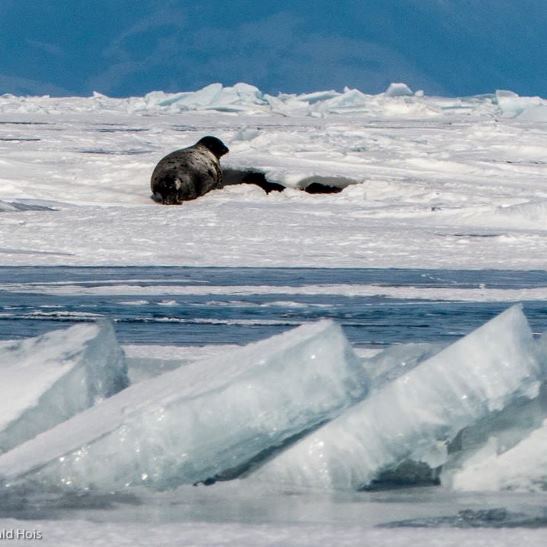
point(417, 414)
point(506, 451)
point(203, 420)
point(50, 378)
point(521, 468)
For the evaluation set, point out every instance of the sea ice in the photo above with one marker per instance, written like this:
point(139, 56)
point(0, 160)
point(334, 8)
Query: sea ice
point(522, 468)
point(416, 415)
point(396, 360)
point(421, 169)
point(505, 451)
point(523, 108)
point(48, 379)
point(212, 97)
point(202, 420)
point(398, 90)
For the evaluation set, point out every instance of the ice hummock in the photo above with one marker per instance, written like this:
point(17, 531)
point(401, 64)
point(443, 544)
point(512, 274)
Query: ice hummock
point(207, 419)
point(50, 378)
point(215, 96)
point(414, 417)
point(530, 109)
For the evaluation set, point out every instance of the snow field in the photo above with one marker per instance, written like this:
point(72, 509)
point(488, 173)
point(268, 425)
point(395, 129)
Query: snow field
point(429, 181)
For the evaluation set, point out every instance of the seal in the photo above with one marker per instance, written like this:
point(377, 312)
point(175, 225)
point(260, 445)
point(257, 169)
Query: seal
point(188, 173)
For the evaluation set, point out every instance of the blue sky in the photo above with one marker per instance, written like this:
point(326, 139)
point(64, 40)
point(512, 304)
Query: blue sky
point(131, 47)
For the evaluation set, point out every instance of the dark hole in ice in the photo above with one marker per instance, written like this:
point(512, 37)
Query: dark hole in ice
point(243, 176)
point(318, 188)
point(311, 185)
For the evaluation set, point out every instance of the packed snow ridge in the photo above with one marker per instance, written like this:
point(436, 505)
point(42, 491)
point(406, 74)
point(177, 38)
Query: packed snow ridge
point(297, 410)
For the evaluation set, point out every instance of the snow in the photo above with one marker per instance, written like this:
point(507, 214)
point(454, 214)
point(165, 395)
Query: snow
point(83, 533)
point(428, 181)
point(414, 416)
point(48, 379)
point(477, 294)
point(200, 420)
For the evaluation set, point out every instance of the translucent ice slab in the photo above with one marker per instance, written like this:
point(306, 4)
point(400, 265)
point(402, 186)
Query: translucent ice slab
point(417, 414)
point(48, 379)
point(521, 468)
point(202, 420)
point(506, 451)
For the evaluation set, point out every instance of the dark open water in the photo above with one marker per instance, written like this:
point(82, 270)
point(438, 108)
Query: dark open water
point(159, 315)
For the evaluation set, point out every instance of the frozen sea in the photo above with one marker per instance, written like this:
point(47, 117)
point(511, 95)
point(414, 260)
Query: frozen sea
point(441, 225)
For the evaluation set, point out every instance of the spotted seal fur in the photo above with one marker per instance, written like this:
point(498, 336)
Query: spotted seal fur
point(188, 173)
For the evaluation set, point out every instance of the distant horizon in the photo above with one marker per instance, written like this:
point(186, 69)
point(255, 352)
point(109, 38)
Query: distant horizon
point(415, 92)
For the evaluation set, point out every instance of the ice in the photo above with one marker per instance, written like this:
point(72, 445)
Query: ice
point(396, 360)
point(521, 468)
point(145, 362)
point(350, 100)
point(505, 451)
point(478, 454)
point(240, 532)
point(534, 113)
point(530, 212)
point(202, 420)
point(243, 97)
point(416, 415)
point(398, 90)
point(239, 97)
point(420, 169)
point(523, 108)
point(48, 379)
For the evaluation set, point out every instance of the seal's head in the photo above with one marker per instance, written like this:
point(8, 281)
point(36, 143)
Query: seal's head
point(216, 146)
